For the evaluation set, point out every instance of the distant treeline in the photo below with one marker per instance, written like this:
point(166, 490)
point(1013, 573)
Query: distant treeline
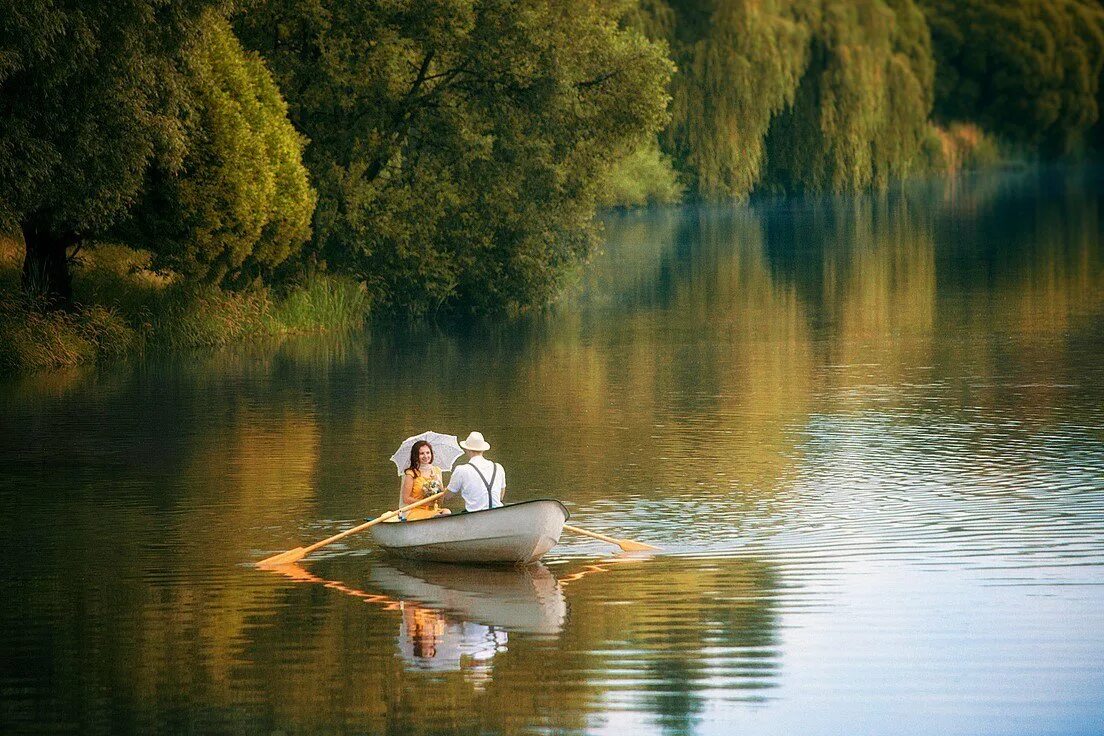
point(845, 94)
point(450, 155)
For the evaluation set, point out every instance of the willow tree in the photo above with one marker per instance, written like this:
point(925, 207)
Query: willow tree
point(458, 146)
point(794, 93)
point(240, 203)
point(91, 94)
point(739, 65)
point(1027, 70)
point(860, 112)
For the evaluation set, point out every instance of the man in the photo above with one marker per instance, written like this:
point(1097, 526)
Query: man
point(481, 482)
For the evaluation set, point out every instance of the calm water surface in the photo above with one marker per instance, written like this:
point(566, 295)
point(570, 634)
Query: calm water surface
point(869, 435)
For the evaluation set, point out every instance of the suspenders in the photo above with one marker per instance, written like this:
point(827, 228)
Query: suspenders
point(494, 474)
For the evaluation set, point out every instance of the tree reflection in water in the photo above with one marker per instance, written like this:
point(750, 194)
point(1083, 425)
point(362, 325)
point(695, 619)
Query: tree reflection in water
point(805, 382)
point(696, 630)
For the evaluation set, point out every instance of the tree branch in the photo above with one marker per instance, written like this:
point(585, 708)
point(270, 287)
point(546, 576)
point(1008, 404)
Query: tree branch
point(400, 120)
point(605, 77)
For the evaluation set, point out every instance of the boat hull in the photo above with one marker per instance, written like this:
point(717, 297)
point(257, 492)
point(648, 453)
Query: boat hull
point(517, 534)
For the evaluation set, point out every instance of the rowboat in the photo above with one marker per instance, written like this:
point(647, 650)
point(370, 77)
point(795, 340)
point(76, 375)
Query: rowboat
point(518, 534)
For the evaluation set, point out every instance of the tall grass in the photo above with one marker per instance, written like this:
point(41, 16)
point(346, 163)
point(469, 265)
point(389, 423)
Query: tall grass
point(123, 308)
point(33, 339)
point(321, 303)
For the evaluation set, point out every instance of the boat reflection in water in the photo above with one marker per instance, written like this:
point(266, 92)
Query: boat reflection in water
point(428, 640)
point(457, 618)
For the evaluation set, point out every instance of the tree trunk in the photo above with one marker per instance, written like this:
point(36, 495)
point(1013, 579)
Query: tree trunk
point(46, 266)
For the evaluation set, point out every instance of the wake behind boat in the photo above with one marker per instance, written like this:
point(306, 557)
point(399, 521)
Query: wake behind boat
point(516, 534)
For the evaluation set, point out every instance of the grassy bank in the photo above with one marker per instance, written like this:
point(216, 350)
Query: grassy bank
point(124, 309)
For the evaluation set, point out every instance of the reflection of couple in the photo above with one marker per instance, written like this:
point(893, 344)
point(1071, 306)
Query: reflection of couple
point(430, 640)
point(480, 482)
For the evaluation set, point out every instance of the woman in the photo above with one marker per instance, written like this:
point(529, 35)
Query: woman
point(421, 479)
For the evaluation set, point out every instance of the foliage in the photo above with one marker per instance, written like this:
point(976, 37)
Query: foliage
point(860, 113)
point(321, 302)
point(1027, 70)
point(123, 307)
point(458, 145)
point(90, 95)
point(241, 203)
point(32, 338)
point(801, 93)
point(643, 177)
point(961, 146)
point(739, 64)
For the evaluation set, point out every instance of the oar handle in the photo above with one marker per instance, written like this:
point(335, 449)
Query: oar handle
point(373, 522)
point(596, 535)
point(627, 545)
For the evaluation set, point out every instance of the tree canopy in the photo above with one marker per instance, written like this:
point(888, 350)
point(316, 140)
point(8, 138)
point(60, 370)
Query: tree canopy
point(90, 95)
point(240, 204)
point(457, 150)
point(860, 112)
point(794, 93)
point(457, 146)
point(1028, 70)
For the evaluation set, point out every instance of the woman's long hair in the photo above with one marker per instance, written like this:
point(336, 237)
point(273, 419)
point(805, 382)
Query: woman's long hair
point(414, 463)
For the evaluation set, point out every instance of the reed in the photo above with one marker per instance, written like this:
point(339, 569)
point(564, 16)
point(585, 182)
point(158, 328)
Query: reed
point(321, 303)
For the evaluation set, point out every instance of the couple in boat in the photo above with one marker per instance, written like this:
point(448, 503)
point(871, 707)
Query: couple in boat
point(480, 482)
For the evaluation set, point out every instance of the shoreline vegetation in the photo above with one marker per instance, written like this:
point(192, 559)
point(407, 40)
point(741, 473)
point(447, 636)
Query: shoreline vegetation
point(123, 309)
point(189, 174)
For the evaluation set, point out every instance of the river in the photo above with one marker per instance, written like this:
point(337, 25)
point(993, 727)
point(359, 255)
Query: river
point(868, 434)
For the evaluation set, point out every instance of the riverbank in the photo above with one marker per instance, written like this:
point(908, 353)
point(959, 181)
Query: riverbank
point(125, 309)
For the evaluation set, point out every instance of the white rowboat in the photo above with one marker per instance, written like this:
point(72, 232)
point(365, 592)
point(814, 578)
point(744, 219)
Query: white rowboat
point(516, 534)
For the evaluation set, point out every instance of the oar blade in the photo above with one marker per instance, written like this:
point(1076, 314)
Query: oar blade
point(284, 558)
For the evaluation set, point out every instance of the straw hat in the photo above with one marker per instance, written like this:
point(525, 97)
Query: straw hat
point(475, 443)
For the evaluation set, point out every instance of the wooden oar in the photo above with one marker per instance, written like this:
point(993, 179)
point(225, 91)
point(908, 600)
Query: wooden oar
point(294, 555)
point(626, 544)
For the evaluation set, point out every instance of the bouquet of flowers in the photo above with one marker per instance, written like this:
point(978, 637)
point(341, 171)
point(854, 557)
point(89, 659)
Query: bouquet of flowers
point(431, 486)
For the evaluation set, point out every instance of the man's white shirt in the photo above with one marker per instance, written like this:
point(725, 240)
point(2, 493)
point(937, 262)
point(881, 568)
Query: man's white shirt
point(470, 486)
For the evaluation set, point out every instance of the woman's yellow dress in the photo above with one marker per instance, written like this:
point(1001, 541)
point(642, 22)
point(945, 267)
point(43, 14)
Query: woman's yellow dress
point(419, 491)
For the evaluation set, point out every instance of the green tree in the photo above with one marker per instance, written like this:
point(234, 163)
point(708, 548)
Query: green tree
point(794, 93)
point(90, 95)
point(1027, 70)
point(241, 203)
point(458, 145)
point(860, 112)
point(739, 65)
point(643, 177)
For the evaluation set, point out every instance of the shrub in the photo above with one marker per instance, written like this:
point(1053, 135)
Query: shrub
point(643, 177)
point(961, 146)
